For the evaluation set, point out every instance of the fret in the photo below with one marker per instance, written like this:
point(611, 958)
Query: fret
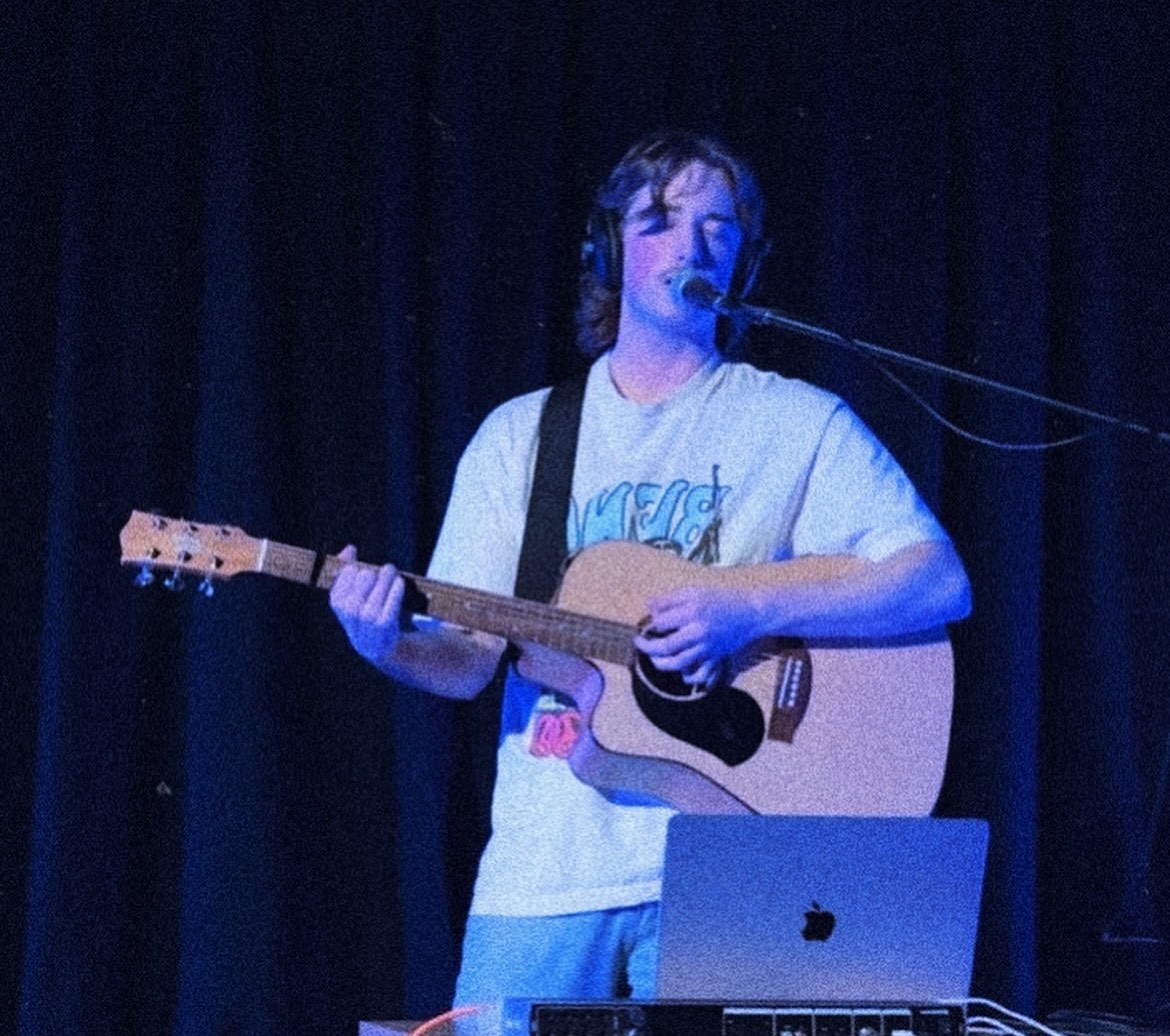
point(285, 562)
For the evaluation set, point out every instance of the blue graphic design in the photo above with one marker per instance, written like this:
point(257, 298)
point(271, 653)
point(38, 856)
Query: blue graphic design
point(676, 516)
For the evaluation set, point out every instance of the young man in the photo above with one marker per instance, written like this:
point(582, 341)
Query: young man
point(814, 528)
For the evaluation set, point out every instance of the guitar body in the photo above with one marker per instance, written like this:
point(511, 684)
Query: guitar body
point(859, 728)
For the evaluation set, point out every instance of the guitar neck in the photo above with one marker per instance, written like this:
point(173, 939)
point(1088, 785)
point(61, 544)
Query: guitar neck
point(213, 552)
point(513, 618)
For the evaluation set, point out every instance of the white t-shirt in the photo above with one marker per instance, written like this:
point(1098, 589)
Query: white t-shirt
point(736, 467)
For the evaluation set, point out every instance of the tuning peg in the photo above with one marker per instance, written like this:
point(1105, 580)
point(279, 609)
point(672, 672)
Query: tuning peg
point(207, 587)
point(144, 577)
point(174, 581)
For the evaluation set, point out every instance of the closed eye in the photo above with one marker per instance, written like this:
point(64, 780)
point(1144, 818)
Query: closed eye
point(717, 230)
point(722, 229)
point(654, 219)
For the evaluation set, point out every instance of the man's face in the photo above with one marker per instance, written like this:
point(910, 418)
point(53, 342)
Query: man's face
point(693, 227)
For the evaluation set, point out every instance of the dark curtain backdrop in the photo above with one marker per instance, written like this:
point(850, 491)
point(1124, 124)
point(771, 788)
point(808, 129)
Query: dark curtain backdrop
point(270, 263)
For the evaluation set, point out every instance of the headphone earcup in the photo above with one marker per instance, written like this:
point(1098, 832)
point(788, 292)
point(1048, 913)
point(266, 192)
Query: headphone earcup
point(601, 251)
point(747, 267)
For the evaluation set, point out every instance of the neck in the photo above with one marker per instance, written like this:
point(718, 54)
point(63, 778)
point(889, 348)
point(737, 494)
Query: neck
point(647, 367)
point(646, 377)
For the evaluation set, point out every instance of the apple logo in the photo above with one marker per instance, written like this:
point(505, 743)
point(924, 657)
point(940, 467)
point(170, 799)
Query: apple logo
point(818, 923)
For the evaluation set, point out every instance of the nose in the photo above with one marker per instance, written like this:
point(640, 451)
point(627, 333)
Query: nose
point(693, 248)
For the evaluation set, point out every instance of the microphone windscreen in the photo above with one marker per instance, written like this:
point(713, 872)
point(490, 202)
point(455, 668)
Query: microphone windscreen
point(692, 287)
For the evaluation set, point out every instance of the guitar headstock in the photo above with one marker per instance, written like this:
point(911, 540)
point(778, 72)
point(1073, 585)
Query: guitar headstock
point(179, 547)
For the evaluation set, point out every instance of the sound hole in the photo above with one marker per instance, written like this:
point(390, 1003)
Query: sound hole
point(670, 685)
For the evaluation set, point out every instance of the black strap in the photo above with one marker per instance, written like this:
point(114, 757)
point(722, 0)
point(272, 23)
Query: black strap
point(545, 546)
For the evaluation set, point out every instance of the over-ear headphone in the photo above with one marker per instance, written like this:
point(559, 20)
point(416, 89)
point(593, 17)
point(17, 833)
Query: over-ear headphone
point(601, 254)
point(601, 251)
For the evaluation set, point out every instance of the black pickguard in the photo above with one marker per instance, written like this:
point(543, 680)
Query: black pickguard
point(722, 720)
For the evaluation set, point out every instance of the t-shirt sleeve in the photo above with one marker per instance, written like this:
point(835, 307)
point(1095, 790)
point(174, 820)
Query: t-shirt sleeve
point(858, 500)
point(479, 541)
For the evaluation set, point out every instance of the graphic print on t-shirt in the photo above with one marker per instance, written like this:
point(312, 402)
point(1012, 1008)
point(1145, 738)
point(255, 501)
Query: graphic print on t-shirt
point(678, 516)
point(556, 723)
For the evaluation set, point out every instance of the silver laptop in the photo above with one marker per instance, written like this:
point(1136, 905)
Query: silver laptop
point(828, 909)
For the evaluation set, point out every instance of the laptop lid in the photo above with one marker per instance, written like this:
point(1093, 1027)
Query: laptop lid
point(839, 909)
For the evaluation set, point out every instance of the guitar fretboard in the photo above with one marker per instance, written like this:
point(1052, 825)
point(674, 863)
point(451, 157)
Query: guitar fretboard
point(509, 617)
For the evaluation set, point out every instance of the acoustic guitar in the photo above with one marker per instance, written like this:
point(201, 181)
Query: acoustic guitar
point(798, 727)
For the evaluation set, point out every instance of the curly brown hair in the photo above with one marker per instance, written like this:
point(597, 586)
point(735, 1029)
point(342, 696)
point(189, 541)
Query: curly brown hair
point(656, 160)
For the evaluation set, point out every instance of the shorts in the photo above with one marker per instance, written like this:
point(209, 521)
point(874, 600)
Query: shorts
point(600, 955)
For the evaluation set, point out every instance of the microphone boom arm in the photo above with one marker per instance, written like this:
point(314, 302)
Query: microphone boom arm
point(775, 318)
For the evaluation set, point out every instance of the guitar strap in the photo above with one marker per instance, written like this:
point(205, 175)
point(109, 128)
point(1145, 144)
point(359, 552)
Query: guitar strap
point(542, 552)
point(545, 544)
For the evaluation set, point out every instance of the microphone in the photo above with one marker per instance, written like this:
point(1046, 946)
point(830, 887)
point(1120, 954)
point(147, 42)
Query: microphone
point(694, 289)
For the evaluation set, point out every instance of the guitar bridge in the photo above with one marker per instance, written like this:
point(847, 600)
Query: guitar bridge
point(793, 688)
